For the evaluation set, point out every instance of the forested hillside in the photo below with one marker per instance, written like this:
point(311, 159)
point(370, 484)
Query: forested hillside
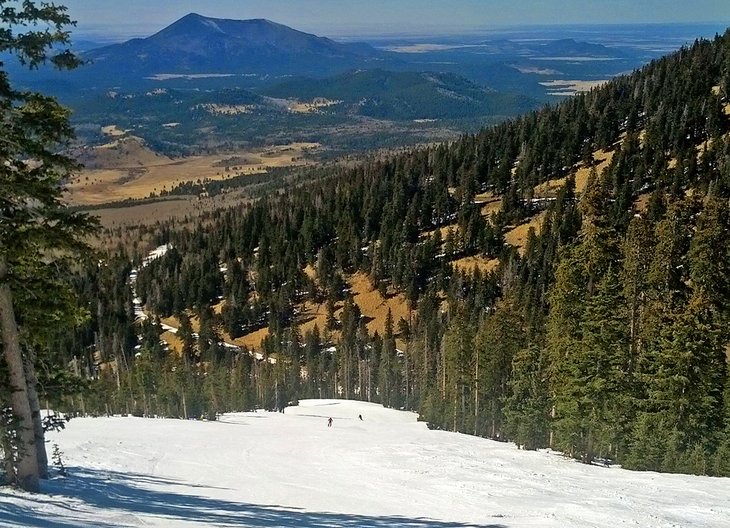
point(404, 95)
point(603, 335)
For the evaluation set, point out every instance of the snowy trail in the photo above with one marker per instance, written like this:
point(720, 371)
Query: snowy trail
point(272, 469)
point(132, 279)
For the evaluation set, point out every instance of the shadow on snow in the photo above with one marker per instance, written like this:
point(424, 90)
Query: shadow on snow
point(123, 496)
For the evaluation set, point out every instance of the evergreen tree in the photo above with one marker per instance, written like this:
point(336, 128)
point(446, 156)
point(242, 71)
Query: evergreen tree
point(527, 406)
point(497, 342)
point(38, 232)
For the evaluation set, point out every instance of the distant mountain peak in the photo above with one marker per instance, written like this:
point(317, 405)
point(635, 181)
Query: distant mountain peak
point(570, 46)
point(199, 44)
point(197, 23)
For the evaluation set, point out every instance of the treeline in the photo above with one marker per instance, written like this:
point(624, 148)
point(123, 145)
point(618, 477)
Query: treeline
point(605, 338)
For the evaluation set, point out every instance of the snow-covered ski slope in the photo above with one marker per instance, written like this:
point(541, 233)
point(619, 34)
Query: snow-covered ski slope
point(272, 469)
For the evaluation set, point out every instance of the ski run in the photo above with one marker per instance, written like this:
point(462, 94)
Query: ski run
point(265, 469)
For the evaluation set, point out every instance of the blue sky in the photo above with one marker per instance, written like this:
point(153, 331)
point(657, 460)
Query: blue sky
point(354, 17)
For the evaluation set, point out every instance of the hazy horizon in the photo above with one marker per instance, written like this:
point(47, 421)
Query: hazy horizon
point(104, 21)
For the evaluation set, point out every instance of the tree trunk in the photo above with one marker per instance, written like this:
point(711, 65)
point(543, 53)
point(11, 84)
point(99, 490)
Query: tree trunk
point(552, 421)
point(185, 406)
point(27, 463)
point(476, 394)
point(8, 461)
point(443, 370)
point(370, 381)
point(407, 385)
point(35, 408)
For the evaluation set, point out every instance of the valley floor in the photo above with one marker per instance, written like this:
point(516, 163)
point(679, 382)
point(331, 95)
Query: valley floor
point(386, 470)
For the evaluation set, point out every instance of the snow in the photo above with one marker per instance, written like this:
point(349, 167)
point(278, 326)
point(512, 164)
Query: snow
point(263, 469)
point(156, 253)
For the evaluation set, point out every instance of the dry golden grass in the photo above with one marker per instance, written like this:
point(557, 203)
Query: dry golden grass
point(178, 208)
point(468, 264)
point(171, 321)
point(374, 306)
point(571, 87)
point(602, 158)
point(493, 207)
point(641, 203)
point(173, 342)
point(485, 197)
point(549, 189)
point(517, 236)
point(310, 272)
point(709, 142)
point(124, 152)
point(310, 107)
point(444, 230)
point(127, 169)
point(146, 213)
point(312, 314)
point(253, 340)
point(716, 91)
point(489, 203)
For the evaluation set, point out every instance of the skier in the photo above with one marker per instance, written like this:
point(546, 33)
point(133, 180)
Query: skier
point(360, 416)
point(329, 422)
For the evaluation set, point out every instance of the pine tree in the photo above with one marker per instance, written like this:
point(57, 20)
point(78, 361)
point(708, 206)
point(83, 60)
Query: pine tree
point(38, 231)
point(498, 340)
point(567, 298)
point(602, 369)
point(709, 254)
point(389, 377)
point(458, 371)
point(527, 406)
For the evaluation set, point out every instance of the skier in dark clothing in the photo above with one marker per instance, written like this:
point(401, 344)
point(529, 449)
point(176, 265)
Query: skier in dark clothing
point(360, 416)
point(329, 422)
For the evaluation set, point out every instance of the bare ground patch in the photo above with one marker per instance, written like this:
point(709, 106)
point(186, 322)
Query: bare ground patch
point(177, 208)
point(311, 107)
point(468, 264)
point(517, 236)
point(641, 204)
point(118, 174)
point(602, 159)
point(374, 306)
point(571, 86)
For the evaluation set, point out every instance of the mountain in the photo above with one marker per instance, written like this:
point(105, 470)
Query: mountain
point(573, 48)
point(404, 95)
point(196, 44)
